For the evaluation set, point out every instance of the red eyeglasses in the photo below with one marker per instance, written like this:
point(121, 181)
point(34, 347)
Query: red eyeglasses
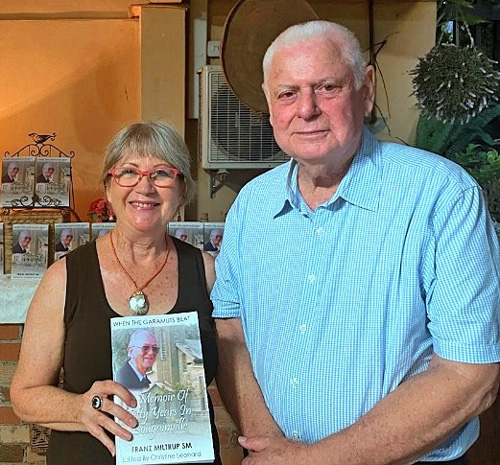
point(130, 176)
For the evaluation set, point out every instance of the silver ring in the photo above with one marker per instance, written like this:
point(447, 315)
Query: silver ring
point(96, 402)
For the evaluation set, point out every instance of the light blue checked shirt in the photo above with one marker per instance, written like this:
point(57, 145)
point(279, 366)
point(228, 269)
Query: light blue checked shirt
point(341, 305)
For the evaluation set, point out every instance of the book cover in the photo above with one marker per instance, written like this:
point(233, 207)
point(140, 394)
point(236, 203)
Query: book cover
point(17, 181)
point(187, 231)
point(100, 229)
point(68, 236)
point(30, 245)
point(53, 182)
point(159, 359)
point(212, 237)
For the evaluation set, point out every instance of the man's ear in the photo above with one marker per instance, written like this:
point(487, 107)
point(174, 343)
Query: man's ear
point(368, 87)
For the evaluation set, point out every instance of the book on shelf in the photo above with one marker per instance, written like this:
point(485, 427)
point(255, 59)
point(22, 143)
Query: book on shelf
point(53, 182)
point(160, 360)
point(100, 229)
point(18, 176)
point(68, 236)
point(213, 234)
point(30, 246)
point(187, 231)
point(36, 182)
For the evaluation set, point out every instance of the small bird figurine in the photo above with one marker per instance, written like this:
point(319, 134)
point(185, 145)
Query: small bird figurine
point(41, 138)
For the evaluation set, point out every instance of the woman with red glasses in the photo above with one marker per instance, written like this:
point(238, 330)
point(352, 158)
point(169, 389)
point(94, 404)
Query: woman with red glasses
point(136, 269)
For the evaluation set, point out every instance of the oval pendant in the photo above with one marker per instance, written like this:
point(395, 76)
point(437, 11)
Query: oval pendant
point(138, 303)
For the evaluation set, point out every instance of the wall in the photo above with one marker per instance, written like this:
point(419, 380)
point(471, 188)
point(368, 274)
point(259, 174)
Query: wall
point(78, 78)
point(43, 9)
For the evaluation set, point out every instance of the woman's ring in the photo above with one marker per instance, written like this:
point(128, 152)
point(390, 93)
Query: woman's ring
point(96, 402)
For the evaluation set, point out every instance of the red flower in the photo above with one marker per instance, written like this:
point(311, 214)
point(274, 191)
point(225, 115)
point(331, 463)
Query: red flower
point(100, 210)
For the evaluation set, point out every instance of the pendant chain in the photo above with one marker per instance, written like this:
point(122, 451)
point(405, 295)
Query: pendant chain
point(146, 284)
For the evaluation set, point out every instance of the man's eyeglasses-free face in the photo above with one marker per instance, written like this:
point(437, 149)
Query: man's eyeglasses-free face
point(130, 176)
point(145, 349)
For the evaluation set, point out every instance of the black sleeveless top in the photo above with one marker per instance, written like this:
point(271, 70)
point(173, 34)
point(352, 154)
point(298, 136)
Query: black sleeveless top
point(87, 351)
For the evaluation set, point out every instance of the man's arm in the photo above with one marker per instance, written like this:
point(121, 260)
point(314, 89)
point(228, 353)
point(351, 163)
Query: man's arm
point(236, 383)
point(409, 422)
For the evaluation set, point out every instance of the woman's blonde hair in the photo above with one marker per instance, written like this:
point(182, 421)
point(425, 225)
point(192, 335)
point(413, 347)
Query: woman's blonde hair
point(155, 139)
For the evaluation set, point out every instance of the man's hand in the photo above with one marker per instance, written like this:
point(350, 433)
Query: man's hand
point(267, 450)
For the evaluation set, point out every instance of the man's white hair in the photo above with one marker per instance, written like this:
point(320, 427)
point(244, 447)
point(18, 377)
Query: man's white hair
point(12, 165)
point(138, 336)
point(338, 35)
point(66, 232)
point(180, 232)
point(215, 232)
point(23, 234)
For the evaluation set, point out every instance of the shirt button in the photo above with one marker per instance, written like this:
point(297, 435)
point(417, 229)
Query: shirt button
point(320, 230)
point(312, 278)
point(296, 435)
point(294, 382)
point(303, 328)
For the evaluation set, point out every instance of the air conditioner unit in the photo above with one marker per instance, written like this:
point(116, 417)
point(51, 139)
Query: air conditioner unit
point(232, 135)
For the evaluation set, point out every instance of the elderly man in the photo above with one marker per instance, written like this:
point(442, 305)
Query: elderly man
point(214, 241)
point(46, 174)
point(142, 350)
point(371, 334)
point(23, 242)
point(65, 240)
point(12, 171)
point(181, 234)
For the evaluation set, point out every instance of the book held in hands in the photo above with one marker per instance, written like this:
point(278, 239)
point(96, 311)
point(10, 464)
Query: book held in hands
point(160, 360)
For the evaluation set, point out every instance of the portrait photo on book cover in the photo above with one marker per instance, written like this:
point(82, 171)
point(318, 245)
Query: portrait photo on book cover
point(53, 181)
point(17, 181)
point(213, 234)
point(142, 349)
point(69, 236)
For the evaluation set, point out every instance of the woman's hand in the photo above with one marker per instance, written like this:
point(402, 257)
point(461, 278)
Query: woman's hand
point(99, 422)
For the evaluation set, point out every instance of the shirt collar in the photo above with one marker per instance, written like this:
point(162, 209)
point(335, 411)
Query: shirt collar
point(360, 186)
point(287, 199)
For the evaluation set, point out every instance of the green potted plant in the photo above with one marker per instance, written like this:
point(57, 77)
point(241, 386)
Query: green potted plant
point(457, 87)
point(484, 165)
